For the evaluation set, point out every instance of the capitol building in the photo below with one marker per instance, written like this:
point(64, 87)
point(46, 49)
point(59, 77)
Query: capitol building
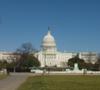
point(50, 56)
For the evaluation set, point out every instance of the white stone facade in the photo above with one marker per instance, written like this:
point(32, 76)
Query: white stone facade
point(49, 56)
point(89, 57)
point(8, 56)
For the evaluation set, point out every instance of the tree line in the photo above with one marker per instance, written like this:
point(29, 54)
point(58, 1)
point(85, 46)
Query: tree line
point(22, 59)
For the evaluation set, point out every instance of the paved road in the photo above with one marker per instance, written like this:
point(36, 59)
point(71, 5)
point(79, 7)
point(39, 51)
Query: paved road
point(13, 81)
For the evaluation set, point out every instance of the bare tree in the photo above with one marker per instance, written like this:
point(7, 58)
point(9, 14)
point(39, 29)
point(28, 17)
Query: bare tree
point(26, 48)
point(27, 58)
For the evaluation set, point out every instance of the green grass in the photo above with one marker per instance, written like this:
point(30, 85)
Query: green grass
point(61, 83)
point(2, 76)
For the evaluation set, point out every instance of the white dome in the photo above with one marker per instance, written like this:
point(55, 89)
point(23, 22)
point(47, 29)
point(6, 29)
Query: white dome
point(48, 40)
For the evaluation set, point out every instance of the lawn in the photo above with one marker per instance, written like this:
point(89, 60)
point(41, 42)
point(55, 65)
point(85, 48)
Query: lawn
point(2, 76)
point(61, 83)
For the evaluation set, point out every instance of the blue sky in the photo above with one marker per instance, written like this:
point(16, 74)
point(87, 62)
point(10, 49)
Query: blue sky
point(75, 24)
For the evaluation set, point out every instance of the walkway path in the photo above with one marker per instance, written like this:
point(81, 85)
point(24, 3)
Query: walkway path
point(13, 81)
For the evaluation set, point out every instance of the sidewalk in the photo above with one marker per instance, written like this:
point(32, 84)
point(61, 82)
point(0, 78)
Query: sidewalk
point(12, 82)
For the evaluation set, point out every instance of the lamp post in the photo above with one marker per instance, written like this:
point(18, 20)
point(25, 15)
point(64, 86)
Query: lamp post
point(44, 53)
point(14, 61)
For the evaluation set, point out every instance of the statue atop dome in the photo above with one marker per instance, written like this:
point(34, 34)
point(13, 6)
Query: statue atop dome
point(48, 28)
point(49, 31)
